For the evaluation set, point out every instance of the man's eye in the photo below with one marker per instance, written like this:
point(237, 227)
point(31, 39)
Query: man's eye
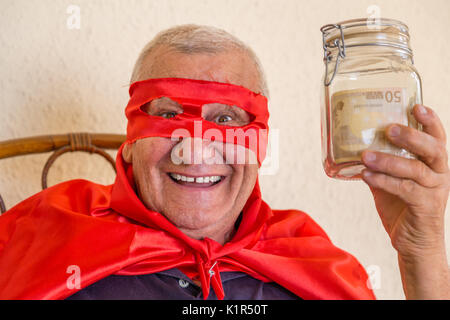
point(168, 115)
point(224, 118)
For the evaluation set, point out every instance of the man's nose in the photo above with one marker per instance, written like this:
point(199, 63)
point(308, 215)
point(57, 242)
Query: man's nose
point(194, 150)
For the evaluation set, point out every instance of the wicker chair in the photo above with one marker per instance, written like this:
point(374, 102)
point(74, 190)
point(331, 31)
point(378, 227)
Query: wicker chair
point(87, 142)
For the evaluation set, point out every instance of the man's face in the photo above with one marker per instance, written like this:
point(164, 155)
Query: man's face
point(199, 209)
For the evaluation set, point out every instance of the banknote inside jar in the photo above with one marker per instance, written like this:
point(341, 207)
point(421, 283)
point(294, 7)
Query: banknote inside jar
point(359, 118)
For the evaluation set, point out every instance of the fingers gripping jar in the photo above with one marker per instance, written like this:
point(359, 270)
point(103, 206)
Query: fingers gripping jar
point(369, 83)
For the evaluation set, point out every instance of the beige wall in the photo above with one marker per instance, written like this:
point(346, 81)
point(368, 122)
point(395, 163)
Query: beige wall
point(55, 80)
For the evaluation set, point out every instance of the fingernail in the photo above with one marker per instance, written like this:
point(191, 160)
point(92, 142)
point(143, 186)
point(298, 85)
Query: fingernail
point(370, 156)
point(394, 131)
point(367, 173)
point(422, 109)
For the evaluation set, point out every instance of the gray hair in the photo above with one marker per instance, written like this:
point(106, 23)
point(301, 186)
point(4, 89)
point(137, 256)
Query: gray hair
point(191, 39)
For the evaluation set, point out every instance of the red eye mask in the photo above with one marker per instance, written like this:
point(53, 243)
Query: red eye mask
point(192, 95)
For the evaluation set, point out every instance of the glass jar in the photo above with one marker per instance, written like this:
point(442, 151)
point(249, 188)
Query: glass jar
point(369, 82)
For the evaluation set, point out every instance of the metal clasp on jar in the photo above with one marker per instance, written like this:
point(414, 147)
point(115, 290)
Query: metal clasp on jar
point(338, 43)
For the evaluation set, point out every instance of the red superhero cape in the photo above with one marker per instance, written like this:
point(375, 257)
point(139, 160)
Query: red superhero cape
point(104, 230)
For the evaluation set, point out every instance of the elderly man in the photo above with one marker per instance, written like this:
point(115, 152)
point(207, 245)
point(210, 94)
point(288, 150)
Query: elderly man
point(185, 213)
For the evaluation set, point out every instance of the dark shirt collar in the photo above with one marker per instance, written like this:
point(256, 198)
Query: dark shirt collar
point(224, 276)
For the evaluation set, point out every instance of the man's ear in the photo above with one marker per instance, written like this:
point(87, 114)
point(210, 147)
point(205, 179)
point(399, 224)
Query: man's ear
point(127, 153)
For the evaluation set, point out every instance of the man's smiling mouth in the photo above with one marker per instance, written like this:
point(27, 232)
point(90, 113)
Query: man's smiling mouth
point(202, 181)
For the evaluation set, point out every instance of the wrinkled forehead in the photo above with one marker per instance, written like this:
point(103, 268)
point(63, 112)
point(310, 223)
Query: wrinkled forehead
point(196, 93)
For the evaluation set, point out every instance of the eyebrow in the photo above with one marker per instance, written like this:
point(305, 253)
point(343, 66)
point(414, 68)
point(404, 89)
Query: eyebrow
point(157, 106)
point(235, 109)
point(240, 114)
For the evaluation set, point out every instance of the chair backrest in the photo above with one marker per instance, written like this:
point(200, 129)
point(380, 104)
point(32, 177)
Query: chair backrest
point(62, 143)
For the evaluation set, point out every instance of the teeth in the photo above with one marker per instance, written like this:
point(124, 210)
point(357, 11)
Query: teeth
point(199, 180)
point(207, 179)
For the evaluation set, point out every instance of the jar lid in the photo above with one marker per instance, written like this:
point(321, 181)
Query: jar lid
point(362, 32)
point(374, 25)
point(365, 32)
